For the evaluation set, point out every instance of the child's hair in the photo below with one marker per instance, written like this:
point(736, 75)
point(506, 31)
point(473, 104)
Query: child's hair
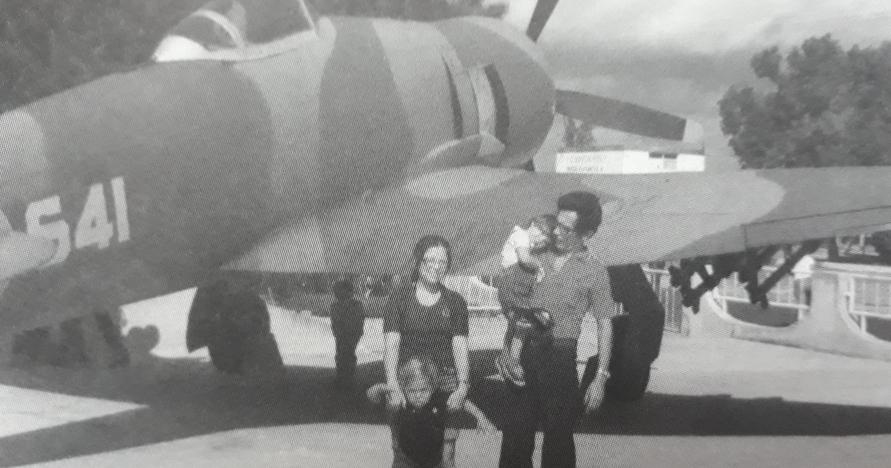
point(546, 223)
point(342, 290)
point(417, 368)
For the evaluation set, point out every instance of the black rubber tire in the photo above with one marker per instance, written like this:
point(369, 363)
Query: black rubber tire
point(227, 356)
point(629, 369)
point(240, 316)
point(629, 366)
point(881, 242)
point(630, 384)
point(637, 335)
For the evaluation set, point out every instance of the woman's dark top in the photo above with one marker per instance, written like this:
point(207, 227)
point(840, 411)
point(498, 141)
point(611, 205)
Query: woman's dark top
point(426, 330)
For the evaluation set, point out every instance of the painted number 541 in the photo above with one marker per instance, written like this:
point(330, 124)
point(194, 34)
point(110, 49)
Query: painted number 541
point(93, 227)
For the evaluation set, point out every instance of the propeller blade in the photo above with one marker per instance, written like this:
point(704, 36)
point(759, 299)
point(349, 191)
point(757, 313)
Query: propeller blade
point(540, 16)
point(626, 117)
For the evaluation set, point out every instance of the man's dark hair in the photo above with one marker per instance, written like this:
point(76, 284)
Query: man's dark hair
point(546, 223)
point(587, 205)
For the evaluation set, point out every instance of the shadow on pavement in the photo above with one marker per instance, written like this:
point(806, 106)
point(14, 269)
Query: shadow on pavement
point(714, 415)
point(185, 398)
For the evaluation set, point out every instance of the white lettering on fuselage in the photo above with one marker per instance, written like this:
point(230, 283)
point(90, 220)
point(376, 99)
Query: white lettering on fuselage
point(93, 229)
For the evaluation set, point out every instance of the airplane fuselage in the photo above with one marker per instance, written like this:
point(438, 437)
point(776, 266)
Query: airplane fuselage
point(150, 180)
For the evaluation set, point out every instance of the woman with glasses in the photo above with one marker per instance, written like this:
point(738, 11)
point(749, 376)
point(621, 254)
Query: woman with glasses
point(423, 317)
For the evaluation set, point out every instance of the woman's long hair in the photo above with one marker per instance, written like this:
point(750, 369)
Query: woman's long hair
point(425, 243)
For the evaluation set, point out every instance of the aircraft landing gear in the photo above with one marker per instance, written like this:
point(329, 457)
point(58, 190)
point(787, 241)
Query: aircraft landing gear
point(747, 265)
point(235, 328)
point(637, 335)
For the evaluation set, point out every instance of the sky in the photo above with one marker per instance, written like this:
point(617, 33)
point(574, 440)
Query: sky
point(680, 56)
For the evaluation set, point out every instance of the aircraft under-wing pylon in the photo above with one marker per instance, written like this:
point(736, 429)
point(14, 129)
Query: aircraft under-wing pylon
point(265, 140)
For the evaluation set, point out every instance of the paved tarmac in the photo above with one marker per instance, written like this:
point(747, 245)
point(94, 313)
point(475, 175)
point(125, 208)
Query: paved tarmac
point(711, 402)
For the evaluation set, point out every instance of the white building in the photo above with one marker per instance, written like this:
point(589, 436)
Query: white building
point(626, 161)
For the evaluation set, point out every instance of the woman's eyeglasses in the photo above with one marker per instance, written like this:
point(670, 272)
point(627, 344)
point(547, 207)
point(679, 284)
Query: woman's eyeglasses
point(435, 262)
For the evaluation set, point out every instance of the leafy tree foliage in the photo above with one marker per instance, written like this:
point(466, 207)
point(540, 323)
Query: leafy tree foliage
point(826, 107)
point(50, 45)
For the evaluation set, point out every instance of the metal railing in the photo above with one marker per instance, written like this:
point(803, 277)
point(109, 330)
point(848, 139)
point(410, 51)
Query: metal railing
point(482, 298)
point(867, 297)
point(669, 296)
point(783, 294)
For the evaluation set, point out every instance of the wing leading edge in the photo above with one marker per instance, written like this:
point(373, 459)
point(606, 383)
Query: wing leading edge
point(646, 217)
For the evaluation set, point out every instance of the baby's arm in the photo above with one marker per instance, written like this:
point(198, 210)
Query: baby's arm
point(525, 257)
point(483, 424)
point(529, 261)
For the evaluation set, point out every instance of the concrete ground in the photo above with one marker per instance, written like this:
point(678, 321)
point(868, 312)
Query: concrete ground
point(711, 402)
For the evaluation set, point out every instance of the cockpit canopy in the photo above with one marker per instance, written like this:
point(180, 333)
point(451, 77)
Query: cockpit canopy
point(232, 25)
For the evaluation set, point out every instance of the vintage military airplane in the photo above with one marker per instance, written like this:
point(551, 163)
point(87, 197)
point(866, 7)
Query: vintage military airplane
point(262, 143)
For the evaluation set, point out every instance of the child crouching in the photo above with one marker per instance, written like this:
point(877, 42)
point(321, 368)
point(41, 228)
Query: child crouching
point(419, 427)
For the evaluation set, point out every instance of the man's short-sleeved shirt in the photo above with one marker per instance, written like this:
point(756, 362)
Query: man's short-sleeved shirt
point(423, 329)
point(581, 286)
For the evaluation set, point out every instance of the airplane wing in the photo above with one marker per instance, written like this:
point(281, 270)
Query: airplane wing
point(646, 217)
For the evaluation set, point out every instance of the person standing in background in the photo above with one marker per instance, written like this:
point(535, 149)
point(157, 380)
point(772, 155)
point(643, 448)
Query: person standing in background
point(348, 324)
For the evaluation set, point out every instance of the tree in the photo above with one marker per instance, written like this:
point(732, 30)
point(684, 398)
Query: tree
point(826, 107)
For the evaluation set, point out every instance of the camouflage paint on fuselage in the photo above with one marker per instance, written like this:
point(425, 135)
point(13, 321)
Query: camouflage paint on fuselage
point(313, 158)
point(528, 87)
point(290, 84)
point(366, 139)
point(191, 143)
point(414, 58)
point(215, 155)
